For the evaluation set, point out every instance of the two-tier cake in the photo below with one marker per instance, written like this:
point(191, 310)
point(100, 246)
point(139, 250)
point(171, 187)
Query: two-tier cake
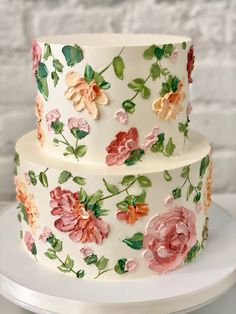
point(113, 185)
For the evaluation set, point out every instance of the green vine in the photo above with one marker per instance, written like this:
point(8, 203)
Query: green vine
point(42, 177)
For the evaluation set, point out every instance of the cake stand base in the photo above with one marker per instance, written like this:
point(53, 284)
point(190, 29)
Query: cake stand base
point(35, 288)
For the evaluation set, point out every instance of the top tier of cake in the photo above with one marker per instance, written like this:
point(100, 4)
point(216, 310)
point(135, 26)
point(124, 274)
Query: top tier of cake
point(113, 98)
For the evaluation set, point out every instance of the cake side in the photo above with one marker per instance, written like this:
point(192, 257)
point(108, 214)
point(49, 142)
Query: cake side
point(112, 226)
point(114, 101)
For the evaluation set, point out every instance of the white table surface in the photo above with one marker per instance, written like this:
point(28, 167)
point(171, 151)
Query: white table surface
point(226, 304)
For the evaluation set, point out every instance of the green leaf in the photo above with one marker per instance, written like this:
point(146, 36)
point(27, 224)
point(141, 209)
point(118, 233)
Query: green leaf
point(128, 106)
point(55, 78)
point(64, 176)
point(204, 164)
point(185, 171)
point(17, 159)
point(63, 268)
point(165, 71)
point(127, 180)
point(174, 83)
point(134, 156)
point(102, 263)
point(167, 176)
point(80, 151)
point(118, 66)
point(80, 273)
point(149, 52)
point(22, 208)
point(51, 255)
point(131, 200)
point(57, 65)
point(32, 176)
point(42, 85)
point(57, 126)
point(135, 242)
point(184, 45)
point(155, 71)
point(42, 70)
point(141, 197)
point(57, 245)
point(78, 134)
point(19, 217)
point(123, 206)
point(189, 191)
point(43, 179)
point(98, 211)
point(197, 197)
point(183, 128)
point(79, 180)
point(98, 78)
point(145, 92)
point(82, 196)
point(95, 197)
point(88, 72)
point(69, 150)
point(159, 145)
point(69, 262)
point(91, 259)
point(170, 147)
point(47, 51)
point(159, 53)
point(113, 189)
point(136, 84)
point(176, 193)
point(168, 50)
point(144, 182)
point(34, 249)
point(21, 234)
point(105, 85)
point(55, 142)
point(72, 54)
point(193, 252)
point(120, 266)
point(199, 186)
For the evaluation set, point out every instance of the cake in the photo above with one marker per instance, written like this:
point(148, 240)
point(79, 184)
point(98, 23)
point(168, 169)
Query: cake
point(113, 184)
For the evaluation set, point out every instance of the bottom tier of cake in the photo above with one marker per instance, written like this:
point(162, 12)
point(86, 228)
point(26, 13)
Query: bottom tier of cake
point(113, 223)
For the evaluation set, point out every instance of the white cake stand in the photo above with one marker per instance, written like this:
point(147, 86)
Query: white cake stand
point(37, 289)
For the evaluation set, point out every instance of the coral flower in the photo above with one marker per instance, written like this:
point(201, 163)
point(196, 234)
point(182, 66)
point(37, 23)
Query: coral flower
point(133, 213)
point(190, 63)
point(39, 113)
point(208, 188)
point(36, 55)
point(84, 95)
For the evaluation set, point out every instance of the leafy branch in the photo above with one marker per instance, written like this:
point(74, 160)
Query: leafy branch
point(42, 177)
point(159, 146)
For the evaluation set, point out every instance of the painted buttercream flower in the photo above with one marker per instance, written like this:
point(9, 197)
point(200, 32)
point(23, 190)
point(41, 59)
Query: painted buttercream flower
point(168, 239)
point(84, 95)
point(86, 251)
point(151, 138)
point(170, 105)
point(79, 123)
point(46, 233)
point(36, 55)
point(190, 63)
point(52, 116)
point(121, 116)
point(208, 188)
point(26, 200)
point(80, 222)
point(130, 265)
point(119, 149)
point(29, 241)
point(39, 113)
point(169, 202)
point(133, 213)
point(173, 57)
point(189, 109)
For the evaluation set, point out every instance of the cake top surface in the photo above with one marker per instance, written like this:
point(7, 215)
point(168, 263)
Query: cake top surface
point(114, 40)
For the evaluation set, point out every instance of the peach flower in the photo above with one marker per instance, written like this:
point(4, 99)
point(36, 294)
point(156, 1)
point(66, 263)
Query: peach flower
point(168, 239)
point(36, 55)
point(39, 113)
point(170, 105)
point(120, 148)
point(81, 223)
point(133, 213)
point(208, 188)
point(29, 240)
point(84, 95)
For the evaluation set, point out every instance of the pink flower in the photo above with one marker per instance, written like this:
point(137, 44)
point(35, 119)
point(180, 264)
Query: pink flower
point(173, 57)
point(79, 123)
point(198, 207)
point(130, 265)
point(189, 109)
point(29, 240)
point(80, 222)
point(120, 148)
point(86, 251)
point(121, 116)
point(168, 239)
point(151, 138)
point(190, 63)
point(27, 178)
point(36, 55)
point(169, 202)
point(52, 116)
point(47, 232)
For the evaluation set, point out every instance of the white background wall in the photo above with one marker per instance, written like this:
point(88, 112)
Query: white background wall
point(211, 24)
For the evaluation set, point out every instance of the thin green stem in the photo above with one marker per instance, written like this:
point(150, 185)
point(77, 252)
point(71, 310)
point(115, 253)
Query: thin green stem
point(108, 66)
point(71, 269)
point(67, 143)
point(102, 272)
point(124, 190)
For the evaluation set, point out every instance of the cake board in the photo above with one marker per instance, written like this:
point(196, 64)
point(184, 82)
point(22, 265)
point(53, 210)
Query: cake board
point(40, 290)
